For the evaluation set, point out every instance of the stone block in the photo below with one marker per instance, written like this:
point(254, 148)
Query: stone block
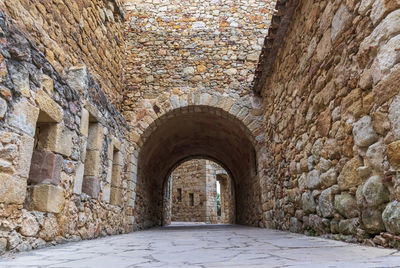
point(25, 156)
point(3, 108)
point(341, 21)
point(117, 158)
point(375, 192)
point(349, 176)
point(391, 217)
point(47, 84)
point(12, 189)
point(55, 138)
point(393, 153)
point(78, 179)
point(116, 143)
point(50, 111)
point(92, 163)
point(95, 137)
point(394, 116)
point(106, 192)
point(116, 175)
point(45, 168)
point(115, 196)
point(64, 145)
point(364, 133)
point(91, 186)
point(346, 205)
point(77, 78)
point(47, 198)
point(24, 117)
point(85, 123)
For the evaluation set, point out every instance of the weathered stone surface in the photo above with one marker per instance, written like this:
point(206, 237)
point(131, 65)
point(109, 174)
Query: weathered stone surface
point(85, 123)
point(346, 205)
point(92, 163)
point(47, 84)
point(364, 134)
point(391, 217)
point(12, 189)
point(49, 229)
point(45, 168)
point(91, 186)
point(394, 116)
point(341, 21)
point(77, 78)
point(326, 203)
point(312, 180)
point(95, 139)
point(393, 153)
point(295, 225)
point(329, 178)
point(25, 156)
point(24, 117)
point(29, 225)
point(374, 192)
point(382, 7)
point(348, 226)
point(307, 202)
point(115, 196)
point(3, 108)
point(349, 176)
point(375, 155)
point(78, 179)
point(50, 111)
point(47, 198)
point(372, 220)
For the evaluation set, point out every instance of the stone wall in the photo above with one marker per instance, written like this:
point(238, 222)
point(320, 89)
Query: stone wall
point(66, 169)
point(198, 58)
point(190, 178)
point(199, 177)
point(77, 32)
point(178, 51)
point(332, 118)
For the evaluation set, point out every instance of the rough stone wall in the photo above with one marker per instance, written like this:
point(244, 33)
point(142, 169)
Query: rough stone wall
point(194, 56)
point(211, 191)
point(66, 169)
point(332, 115)
point(177, 51)
point(190, 177)
point(200, 178)
point(76, 32)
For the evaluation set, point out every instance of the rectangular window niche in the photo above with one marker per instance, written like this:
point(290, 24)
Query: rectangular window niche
point(115, 193)
point(91, 182)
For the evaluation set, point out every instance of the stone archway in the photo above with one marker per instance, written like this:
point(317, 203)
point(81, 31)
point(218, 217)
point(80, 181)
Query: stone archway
point(192, 132)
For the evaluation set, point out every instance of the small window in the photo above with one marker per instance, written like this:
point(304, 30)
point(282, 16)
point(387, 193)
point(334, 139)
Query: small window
point(191, 199)
point(179, 195)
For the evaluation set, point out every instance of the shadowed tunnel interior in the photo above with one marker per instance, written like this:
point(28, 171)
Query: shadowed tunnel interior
point(197, 132)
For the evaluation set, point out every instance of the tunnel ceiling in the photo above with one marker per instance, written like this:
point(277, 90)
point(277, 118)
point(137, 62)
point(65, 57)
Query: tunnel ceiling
point(196, 134)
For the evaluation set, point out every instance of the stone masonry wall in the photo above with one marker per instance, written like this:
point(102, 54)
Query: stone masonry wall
point(179, 50)
point(66, 169)
point(200, 178)
point(77, 32)
point(190, 177)
point(332, 108)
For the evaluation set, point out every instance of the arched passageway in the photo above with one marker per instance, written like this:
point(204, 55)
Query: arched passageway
point(193, 132)
point(199, 190)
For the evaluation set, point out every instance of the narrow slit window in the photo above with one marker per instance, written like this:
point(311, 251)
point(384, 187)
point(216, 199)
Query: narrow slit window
point(179, 195)
point(191, 199)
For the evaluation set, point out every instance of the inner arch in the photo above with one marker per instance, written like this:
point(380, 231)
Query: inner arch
point(202, 132)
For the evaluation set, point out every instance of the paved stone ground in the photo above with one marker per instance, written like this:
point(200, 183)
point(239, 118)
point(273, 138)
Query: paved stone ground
point(200, 245)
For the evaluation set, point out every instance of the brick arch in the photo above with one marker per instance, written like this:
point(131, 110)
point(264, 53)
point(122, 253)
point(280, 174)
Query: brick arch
point(191, 132)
